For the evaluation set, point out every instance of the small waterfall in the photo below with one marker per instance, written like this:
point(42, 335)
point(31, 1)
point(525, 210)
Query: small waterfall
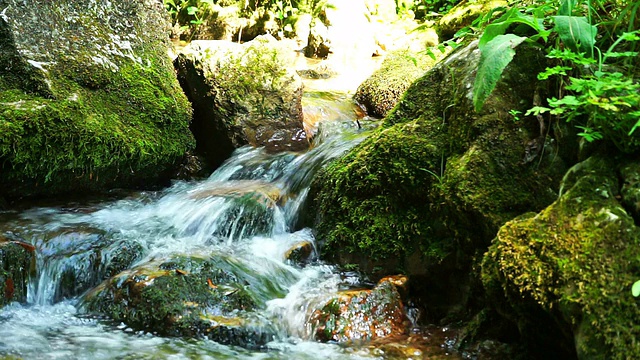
point(246, 211)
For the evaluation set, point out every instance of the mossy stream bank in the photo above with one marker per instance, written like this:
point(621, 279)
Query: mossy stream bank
point(472, 206)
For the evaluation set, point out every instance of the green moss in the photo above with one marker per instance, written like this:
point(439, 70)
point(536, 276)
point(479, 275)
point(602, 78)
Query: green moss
point(94, 137)
point(463, 14)
point(190, 296)
point(375, 197)
point(575, 262)
point(170, 298)
point(437, 177)
point(380, 92)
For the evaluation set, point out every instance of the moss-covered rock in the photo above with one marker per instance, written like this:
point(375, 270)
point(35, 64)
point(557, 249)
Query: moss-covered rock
point(380, 92)
point(363, 314)
point(463, 15)
point(242, 94)
point(432, 186)
point(564, 275)
point(189, 296)
point(88, 97)
point(16, 262)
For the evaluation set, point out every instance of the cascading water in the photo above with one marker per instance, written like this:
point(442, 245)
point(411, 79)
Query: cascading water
point(245, 213)
point(247, 209)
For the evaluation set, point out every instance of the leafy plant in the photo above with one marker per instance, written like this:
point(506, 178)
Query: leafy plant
point(596, 89)
point(608, 101)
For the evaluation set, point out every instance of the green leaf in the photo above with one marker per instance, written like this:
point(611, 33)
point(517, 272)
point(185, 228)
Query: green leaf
point(576, 33)
point(494, 58)
point(513, 16)
point(635, 289)
point(566, 7)
point(537, 110)
point(192, 10)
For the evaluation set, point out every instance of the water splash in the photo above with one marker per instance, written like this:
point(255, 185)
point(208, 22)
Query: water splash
point(247, 209)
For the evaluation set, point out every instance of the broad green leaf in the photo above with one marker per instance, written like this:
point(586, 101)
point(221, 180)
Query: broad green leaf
point(576, 33)
point(494, 58)
point(513, 16)
point(635, 289)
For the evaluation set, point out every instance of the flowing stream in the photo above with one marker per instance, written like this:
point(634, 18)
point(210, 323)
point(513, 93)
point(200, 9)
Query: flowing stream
point(78, 245)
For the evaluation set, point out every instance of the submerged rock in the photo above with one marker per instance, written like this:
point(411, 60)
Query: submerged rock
point(564, 275)
point(189, 296)
point(362, 314)
point(88, 97)
point(433, 185)
point(75, 260)
point(300, 253)
point(242, 94)
point(16, 262)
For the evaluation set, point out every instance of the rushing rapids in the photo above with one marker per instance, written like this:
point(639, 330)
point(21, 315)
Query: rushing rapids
point(244, 217)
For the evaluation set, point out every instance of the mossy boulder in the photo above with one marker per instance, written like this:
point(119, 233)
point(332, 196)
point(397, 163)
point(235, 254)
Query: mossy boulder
point(383, 89)
point(564, 275)
point(429, 189)
point(214, 296)
point(242, 94)
point(363, 315)
point(88, 97)
point(16, 262)
point(463, 14)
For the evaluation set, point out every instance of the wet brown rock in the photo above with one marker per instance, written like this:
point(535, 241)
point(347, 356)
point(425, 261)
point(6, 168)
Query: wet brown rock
point(262, 192)
point(362, 315)
point(16, 262)
point(300, 252)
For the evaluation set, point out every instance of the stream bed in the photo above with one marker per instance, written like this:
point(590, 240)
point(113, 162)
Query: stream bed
point(246, 213)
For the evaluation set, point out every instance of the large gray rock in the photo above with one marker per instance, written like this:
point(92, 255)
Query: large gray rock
point(88, 96)
point(242, 94)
